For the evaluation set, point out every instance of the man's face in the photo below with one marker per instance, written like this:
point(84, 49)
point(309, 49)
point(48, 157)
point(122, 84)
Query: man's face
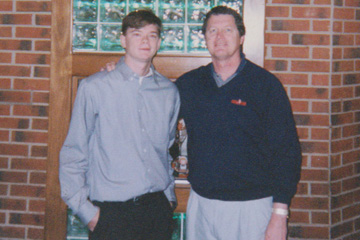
point(141, 44)
point(222, 37)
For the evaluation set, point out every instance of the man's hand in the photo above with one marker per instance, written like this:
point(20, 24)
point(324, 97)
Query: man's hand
point(92, 224)
point(277, 228)
point(108, 67)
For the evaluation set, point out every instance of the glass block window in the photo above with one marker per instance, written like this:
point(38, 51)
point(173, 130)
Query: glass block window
point(97, 23)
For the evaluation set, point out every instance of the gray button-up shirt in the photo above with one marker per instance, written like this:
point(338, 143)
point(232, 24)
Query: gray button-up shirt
point(118, 142)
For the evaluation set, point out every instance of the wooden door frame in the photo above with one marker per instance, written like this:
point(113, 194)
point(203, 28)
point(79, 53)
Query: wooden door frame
point(64, 65)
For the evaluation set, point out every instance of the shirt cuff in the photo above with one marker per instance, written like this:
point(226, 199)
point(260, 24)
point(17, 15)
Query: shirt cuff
point(86, 212)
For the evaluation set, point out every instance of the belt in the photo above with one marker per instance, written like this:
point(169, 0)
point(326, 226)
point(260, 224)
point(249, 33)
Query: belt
point(138, 200)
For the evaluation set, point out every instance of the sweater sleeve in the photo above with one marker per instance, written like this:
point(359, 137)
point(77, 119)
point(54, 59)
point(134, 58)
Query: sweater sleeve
point(284, 146)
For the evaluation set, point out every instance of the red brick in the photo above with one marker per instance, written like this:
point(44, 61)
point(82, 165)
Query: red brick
point(320, 79)
point(12, 232)
point(32, 32)
point(351, 157)
point(33, 6)
point(5, 83)
point(311, 12)
point(335, 217)
point(14, 123)
point(17, 71)
point(5, 57)
point(314, 175)
point(5, 31)
point(309, 232)
point(12, 204)
point(31, 84)
point(39, 151)
point(10, 44)
point(351, 183)
point(320, 218)
point(4, 136)
point(321, 25)
point(343, 66)
point(42, 72)
point(300, 106)
point(342, 145)
point(302, 188)
point(276, 38)
point(22, 110)
point(336, 79)
point(319, 203)
point(337, 53)
point(311, 39)
point(320, 134)
point(14, 150)
point(293, 79)
point(6, 6)
point(296, 2)
point(27, 191)
point(31, 58)
point(303, 133)
point(320, 107)
point(341, 229)
point(2, 218)
point(352, 53)
point(277, 11)
point(35, 233)
point(43, 19)
point(15, 96)
point(320, 189)
point(37, 205)
point(310, 66)
point(352, 3)
point(315, 147)
point(312, 120)
point(15, 19)
point(40, 124)
point(342, 172)
point(276, 65)
point(341, 39)
point(338, 26)
point(344, 13)
point(342, 92)
point(299, 217)
point(13, 177)
point(352, 27)
point(352, 130)
point(43, 45)
point(290, 52)
point(29, 137)
point(28, 164)
point(323, 2)
point(27, 219)
point(40, 97)
point(4, 110)
point(4, 162)
point(321, 53)
point(319, 161)
point(309, 93)
point(290, 25)
point(38, 177)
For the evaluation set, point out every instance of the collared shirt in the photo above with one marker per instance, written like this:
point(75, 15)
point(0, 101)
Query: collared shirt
point(218, 79)
point(118, 140)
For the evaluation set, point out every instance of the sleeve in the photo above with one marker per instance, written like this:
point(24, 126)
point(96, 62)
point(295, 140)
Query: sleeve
point(74, 157)
point(170, 191)
point(283, 144)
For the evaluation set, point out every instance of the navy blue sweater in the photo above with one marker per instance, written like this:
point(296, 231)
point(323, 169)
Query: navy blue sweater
point(243, 143)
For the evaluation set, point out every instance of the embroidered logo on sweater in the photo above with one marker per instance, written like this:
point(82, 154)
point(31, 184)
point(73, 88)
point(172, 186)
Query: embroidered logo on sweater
point(238, 102)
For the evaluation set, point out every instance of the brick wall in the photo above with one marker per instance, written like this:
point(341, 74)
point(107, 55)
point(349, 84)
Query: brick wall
point(311, 45)
point(24, 96)
point(314, 48)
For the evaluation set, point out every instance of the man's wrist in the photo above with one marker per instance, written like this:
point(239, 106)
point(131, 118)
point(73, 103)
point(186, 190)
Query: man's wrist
point(281, 211)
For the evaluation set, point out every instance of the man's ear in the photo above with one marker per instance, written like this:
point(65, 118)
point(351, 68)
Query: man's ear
point(159, 44)
point(123, 41)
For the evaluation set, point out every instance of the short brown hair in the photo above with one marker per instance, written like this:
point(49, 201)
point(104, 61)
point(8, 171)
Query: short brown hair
point(140, 18)
point(223, 10)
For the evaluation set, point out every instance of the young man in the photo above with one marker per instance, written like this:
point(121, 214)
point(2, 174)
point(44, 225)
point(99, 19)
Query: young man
point(243, 150)
point(115, 169)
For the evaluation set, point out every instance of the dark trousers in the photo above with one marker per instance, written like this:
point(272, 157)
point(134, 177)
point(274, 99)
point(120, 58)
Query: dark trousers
point(148, 217)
